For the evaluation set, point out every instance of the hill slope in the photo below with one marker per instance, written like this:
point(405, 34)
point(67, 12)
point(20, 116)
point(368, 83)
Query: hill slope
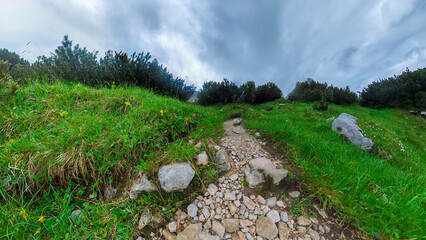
point(383, 192)
point(63, 142)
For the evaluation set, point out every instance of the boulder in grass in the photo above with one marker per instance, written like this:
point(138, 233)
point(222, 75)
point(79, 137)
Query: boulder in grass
point(345, 125)
point(175, 177)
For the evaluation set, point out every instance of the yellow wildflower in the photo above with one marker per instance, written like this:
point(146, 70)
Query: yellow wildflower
point(11, 140)
point(38, 231)
point(64, 113)
point(23, 213)
point(53, 86)
point(52, 118)
point(127, 103)
point(41, 219)
point(162, 112)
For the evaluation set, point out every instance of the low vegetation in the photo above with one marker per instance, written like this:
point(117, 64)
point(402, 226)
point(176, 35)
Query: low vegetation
point(227, 92)
point(383, 192)
point(312, 91)
point(407, 91)
point(63, 141)
point(75, 63)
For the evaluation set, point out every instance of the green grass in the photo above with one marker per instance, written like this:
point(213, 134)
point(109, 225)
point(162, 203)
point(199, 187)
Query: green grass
point(383, 193)
point(62, 142)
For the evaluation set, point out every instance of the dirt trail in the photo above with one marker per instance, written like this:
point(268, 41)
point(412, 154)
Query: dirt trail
point(232, 209)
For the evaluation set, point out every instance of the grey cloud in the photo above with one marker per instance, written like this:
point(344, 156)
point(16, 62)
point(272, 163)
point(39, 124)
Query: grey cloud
point(339, 42)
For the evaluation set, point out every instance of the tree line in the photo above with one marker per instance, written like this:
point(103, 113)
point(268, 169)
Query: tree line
point(226, 92)
point(407, 90)
point(312, 91)
point(75, 63)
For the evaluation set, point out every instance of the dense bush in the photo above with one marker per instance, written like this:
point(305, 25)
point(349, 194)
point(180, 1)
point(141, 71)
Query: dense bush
point(407, 90)
point(267, 92)
point(311, 91)
point(12, 57)
point(74, 63)
point(6, 85)
point(228, 92)
point(321, 105)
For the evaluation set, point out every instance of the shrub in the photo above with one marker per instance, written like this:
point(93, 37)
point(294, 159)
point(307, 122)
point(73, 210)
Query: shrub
point(228, 92)
point(267, 92)
point(321, 105)
point(72, 63)
point(407, 90)
point(5, 80)
point(222, 92)
point(311, 91)
point(248, 92)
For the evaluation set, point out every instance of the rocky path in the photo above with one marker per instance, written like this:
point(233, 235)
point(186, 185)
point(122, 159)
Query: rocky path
point(247, 202)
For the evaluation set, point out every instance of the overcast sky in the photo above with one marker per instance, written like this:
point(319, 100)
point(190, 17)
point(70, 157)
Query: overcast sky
point(349, 42)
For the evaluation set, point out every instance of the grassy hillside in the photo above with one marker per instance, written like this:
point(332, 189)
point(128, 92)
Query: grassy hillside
point(384, 192)
point(62, 142)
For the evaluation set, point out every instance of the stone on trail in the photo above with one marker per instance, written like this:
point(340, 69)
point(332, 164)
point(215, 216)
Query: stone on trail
point(303, 221)
point(284, 216)
point(283, 230)
point(202, 159)
point(212, 189)
point(345, 125)
point(145, 219)
point(194, 232)
point(218, 229)
point(175, 177)
point(294, 194)
point(266, 228)
point(231, 225)
point(192, 210)
point(274, 216)
point(266, 165)
point(271, 201)
point(236, 121)
point(223, 161)
point(144, 185)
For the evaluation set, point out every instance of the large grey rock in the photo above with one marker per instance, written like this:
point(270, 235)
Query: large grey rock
point(266, 228)
point(175, 177)
point(345, 125)
point(268, 168)
point(144, 185)
point(423, 114)
point(223, 161)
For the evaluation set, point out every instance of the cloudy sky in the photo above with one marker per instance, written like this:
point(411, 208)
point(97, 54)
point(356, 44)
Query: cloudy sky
point(349, 42)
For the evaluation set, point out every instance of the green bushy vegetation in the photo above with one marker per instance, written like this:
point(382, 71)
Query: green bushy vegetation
point(383, 192)
point(75, 63)
point(227, 92)
point(63, 141)
point(407, 90)
point(311, 91)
